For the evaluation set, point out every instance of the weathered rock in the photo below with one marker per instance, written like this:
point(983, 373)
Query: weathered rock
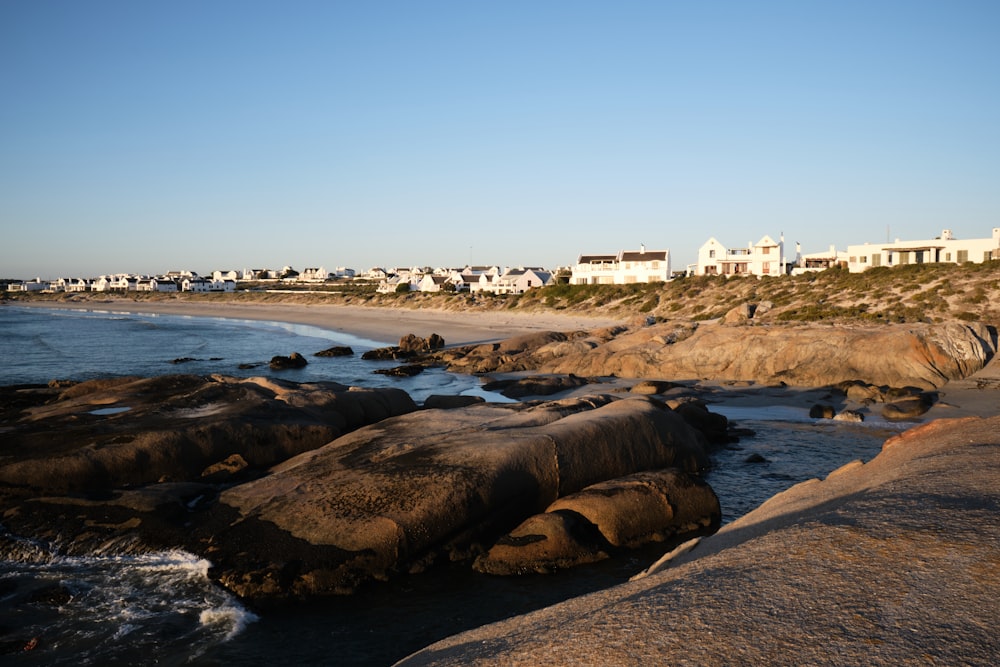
point(535, 385)
point(650, 387)
point(413, 344)
point(741, 314)
point(712, 425)
point(586, 526)
point(824, 572)
point(544, 543)
point(432, 483)
point(173, 427)
point(909, 407)
point(922, 355)
point(335, 351)
point(445, 402)
point(294, 360)
point(409, 370)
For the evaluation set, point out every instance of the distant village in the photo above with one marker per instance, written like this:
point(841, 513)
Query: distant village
point(766, 257)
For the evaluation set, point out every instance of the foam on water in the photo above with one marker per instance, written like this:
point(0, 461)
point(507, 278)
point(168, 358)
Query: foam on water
point(117, 609)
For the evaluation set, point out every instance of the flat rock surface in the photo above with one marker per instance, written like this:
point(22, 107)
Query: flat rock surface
point(893, 562)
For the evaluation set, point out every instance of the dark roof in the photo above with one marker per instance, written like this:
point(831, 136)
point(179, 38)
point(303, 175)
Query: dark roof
point(592, 259)
point(648, 256)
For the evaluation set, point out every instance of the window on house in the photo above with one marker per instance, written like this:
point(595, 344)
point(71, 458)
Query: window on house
point(963, 256)
point(947, 257)
point(711, 254)
point(876, 260)
point(766, 250)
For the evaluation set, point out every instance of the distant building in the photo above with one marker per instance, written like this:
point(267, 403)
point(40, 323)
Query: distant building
point(818, 261)
point(944, 249)
point(764, 258)
point(623, 268)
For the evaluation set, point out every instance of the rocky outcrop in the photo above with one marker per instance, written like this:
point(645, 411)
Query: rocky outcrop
point(925, 356)
point(293, 360)
point(889, 562)
point(432, 484)
point(104, 434)
point(586, 526)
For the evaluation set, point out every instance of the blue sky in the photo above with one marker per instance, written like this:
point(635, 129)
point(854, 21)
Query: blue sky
point(148, 136)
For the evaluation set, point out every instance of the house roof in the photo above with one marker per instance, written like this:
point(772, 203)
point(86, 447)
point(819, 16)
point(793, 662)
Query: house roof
point(647, 256)
point(596, 259)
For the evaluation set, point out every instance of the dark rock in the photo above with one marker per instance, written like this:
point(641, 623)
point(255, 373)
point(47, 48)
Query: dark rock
point(414, 344)
point(183, 360)
point(402, 371)
point(908, 408)
point(755, 458)
point(335, 351)
point(439, 401)
point(535, 385)
point(714, 426)
point(820, 411)
point(294, 360)
point(386, 354)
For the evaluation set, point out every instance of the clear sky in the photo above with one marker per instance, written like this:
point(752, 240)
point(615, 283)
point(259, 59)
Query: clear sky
point(144, 136)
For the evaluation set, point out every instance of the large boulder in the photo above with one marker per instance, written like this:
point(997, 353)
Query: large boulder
point(586, 526)
point(890, 562)
point(436, 483)
point(922, 355)
point(104, 434)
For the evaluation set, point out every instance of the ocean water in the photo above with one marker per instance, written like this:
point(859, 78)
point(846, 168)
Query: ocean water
point(112, 609)
point(43, 344)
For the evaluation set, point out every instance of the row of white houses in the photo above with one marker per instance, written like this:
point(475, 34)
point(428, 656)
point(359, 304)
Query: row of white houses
point(472, 279)
point(766, 257)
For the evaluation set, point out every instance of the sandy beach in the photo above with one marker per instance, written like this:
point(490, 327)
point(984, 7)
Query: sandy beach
point(385, 325)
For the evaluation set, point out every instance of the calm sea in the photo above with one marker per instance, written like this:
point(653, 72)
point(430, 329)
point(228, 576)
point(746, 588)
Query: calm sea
point(162, 608)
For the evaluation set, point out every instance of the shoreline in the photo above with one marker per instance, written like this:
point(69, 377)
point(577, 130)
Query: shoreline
point(383, 324)
point(976, 395)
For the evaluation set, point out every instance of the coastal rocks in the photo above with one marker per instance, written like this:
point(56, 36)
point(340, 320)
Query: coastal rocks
point(409, 346)
point(901, 403)
point(294, 360)
point(826, 568)
point(535, 385)
point(584, 527)
point(413, 344)
point(120, 432)
point(450, 402)
point(433, 484)
point(335, 351)
point(405, 371)
point(821, 411)
point(925, 356)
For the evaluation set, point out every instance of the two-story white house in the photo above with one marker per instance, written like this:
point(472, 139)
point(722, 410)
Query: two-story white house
point(623, 268)
point(943, 249)
point(764, 258)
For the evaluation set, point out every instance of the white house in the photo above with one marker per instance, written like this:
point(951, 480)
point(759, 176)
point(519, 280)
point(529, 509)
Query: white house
point(817, 261)
point(520, 280)
point(196, 284)
point(764, 258)
point(945, 249)
point(71, 285)
point(225, 274)
point(433, 283)
point(624, 268)
point(314, 275)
